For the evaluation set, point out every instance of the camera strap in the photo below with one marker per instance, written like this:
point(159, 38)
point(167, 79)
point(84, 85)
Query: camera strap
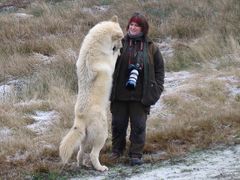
point(136, 54)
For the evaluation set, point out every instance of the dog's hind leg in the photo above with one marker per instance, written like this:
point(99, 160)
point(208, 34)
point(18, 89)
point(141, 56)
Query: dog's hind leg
point(83, 155)
point(80, 155)
point(98, 134)
point(94, 156)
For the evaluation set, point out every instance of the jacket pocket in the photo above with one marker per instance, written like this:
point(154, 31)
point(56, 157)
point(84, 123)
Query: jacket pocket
point(152, 94)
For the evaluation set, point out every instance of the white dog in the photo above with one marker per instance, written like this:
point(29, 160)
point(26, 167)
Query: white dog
point(95, 65)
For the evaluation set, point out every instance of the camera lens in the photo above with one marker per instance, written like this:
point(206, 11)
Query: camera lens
point(132, 81)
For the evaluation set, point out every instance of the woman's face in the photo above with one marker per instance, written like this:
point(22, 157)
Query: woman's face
point(134, 28)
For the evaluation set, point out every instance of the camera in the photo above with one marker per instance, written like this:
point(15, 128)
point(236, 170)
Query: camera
point(133, 75)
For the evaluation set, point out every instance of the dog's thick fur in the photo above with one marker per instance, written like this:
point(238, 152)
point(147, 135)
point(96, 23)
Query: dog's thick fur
point(95, 66)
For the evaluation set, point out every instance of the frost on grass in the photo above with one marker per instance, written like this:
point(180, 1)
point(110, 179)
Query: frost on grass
point(174, 81)
point(22, 15)
point(5, 133)
point(212, 164)
point(218, 163)
point(96, 9)
point(19, 155)
point(5, 92)
point(166, 47)
point(179, 84)
point(43, 121)
point(11, 88)
point(233, 84)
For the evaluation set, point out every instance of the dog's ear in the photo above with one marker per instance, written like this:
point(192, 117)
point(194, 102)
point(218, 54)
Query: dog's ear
point(114, 19)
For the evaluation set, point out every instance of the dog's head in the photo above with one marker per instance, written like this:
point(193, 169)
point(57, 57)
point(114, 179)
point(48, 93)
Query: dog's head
point(108, 34)
point(117, 33)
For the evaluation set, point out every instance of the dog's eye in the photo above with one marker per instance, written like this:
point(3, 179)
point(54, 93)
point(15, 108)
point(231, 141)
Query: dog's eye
point(114, 48)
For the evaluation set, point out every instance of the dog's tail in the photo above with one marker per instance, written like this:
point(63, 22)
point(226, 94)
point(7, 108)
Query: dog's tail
point(70, 141)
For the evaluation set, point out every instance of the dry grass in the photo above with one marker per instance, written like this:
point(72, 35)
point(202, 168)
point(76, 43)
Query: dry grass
point(41, 49)
point(204, 118)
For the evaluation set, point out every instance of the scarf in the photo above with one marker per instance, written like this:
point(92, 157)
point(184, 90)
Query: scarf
point(137, 36)
point(136, 54)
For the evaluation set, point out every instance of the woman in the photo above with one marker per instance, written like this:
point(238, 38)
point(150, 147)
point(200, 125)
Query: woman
point(137, 84)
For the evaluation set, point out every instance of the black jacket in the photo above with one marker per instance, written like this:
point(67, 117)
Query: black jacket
point(153, 75)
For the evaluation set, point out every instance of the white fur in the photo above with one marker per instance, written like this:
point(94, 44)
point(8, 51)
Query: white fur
point(95, 66)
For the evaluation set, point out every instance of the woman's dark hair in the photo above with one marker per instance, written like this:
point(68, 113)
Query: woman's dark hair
point(141, 21)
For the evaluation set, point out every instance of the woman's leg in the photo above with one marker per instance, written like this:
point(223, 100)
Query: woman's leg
point(120, 118)
point(138, 116)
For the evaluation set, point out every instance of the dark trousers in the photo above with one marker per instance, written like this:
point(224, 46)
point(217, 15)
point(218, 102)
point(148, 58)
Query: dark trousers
point(122, 112)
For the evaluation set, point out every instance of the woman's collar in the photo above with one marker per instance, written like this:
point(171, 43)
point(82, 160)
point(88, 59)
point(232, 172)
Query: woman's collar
point(137, 36)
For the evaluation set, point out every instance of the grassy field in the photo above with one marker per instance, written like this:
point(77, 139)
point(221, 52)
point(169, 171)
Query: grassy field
point(40, 41)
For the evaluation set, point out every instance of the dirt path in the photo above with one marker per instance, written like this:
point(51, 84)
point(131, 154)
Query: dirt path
point(211, 164)
point(221, 163)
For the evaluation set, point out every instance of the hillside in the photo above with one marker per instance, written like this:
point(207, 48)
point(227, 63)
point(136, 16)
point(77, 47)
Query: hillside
point(40, 41)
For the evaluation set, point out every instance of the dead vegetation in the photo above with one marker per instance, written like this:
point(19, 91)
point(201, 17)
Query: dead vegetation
point(40, 41)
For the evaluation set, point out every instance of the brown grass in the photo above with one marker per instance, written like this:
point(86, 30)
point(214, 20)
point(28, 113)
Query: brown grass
point(201, 122)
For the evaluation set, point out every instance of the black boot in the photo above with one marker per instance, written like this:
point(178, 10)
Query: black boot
point(136, 161)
